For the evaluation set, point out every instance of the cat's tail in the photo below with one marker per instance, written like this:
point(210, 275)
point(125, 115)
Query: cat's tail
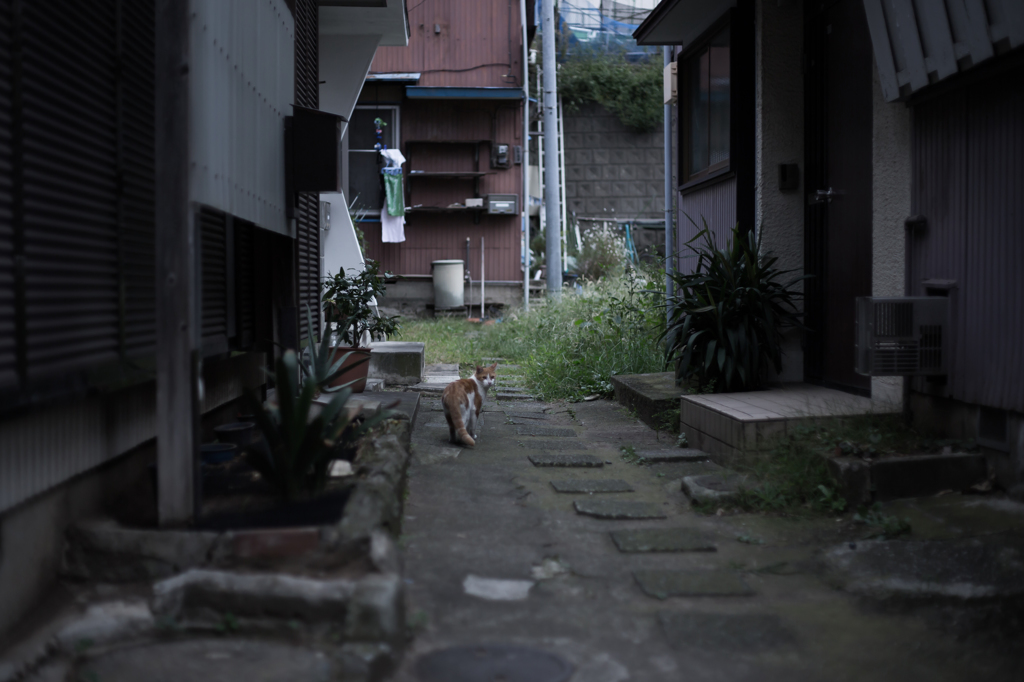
point(455, 416)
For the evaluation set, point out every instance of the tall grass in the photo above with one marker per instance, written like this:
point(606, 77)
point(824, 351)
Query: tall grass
point(567, 349)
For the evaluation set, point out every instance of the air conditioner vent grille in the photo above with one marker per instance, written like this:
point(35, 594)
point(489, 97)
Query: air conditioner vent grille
point(894, 319)
point(931, 346)
point(896, 357)
point(902, 336)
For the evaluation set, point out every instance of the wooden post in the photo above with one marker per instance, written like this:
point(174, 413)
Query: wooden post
point(177, 302)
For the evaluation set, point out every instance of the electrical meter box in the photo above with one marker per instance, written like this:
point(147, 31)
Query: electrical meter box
point(503, 204)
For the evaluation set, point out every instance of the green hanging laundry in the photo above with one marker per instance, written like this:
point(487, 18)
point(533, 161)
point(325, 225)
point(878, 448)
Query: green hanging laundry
point(395, 195)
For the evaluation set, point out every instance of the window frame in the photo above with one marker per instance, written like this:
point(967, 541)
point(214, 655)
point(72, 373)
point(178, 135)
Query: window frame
point(694, 51)
point(346, 149)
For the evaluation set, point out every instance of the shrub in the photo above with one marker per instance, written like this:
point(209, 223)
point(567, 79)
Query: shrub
point(603, 252)
point(728, 315)
point(630, 91)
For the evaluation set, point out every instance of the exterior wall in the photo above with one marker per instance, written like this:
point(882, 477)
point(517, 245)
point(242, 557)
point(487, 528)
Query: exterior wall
point(32, 535)
point(968, 168)
point(779, 138)
point(68, 461)
point(479, 44)
point(612, 172)
point(242, 87)
point(715, 204)
point(891, 164)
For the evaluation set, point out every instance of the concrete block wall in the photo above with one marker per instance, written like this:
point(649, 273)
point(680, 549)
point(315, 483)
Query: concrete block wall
point(610, 171)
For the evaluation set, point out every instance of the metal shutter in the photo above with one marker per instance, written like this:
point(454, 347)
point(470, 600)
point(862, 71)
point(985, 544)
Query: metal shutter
point(70, 186)
point(8, 348)
point(76, 194)
point(213, 228)
point(307, 251)
point(245, 284)
point(136, 119)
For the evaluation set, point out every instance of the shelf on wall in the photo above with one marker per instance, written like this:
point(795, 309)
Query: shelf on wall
point(453, 175)
point(445, 209)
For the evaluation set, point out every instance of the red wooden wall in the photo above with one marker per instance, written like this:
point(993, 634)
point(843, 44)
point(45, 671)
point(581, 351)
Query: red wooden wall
point(479, 45)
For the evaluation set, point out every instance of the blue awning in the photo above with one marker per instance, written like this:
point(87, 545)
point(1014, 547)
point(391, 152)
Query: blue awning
point(438, 92)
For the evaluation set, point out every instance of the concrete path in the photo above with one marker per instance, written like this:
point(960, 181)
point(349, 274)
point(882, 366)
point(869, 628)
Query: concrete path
point(602, 564)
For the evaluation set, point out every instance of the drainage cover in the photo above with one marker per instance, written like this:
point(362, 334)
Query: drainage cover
point(492, 663)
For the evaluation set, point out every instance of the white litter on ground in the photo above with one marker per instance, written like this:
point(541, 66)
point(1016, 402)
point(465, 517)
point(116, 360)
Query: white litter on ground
point(496, 590)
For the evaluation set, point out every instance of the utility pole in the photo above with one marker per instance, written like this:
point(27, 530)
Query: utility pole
point(552, 191)
point(525, 218)
point(670, 246)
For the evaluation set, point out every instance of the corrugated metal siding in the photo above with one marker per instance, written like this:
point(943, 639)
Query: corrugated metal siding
point(716, 205)
point(968, 175)
point(37, 456)
point(432, 237)
point(438, 237)
point(242, 85)
point(213, 248)
point(920, 42)
point(480, 44)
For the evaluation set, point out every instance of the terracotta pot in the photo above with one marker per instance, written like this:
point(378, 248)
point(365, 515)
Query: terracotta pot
point(350, 373)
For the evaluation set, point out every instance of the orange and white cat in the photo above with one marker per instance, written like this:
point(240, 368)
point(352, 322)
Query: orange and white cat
point(463, 400)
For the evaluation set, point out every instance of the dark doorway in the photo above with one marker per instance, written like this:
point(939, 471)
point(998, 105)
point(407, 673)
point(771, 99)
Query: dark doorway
point(838, 216)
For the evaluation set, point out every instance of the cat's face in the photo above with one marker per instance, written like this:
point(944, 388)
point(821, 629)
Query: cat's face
point(485, 375)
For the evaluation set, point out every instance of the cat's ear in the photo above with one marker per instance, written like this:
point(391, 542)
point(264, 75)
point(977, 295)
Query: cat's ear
point(494, 366)
point(478, 369)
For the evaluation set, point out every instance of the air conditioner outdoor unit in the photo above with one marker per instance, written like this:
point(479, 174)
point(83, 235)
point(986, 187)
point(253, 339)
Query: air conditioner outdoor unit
point(902, 336)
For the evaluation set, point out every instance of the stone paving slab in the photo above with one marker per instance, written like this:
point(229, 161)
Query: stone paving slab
point(618, 509)
point(202, 660)
point(661, 540)
point(673, 455)
point(545, 445)
point(574, 460)
point(433, 454)
point(520, 414)
point(721, 632)
point(717, 488)
point(582, 485)
point(546, 431)
point(665, 584)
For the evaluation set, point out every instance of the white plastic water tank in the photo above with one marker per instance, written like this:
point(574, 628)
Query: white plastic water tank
point(449, 288)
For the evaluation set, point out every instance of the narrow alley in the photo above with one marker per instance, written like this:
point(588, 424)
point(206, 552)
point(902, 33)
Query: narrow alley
point(545, 539)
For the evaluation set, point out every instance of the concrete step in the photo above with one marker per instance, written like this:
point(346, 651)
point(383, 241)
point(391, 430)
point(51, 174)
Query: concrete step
point(649, 395)
point(399, 363)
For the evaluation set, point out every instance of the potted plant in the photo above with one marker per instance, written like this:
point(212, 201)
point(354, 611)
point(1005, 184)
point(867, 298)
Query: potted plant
point(351, 321)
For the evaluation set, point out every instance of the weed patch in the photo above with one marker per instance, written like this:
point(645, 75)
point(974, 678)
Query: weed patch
point(566, 350)
point(792, 476)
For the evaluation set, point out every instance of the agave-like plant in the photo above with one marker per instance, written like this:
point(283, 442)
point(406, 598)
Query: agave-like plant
point(318, 364)
point(726, 319)
point(300, 447)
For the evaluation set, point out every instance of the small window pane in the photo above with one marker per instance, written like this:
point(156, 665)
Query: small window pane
point(364, 180)
point(719, 98)
point(699, 96)
point(362, 132)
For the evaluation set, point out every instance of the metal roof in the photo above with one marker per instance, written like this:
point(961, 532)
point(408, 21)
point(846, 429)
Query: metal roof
point(679, 22)
point(441, 92)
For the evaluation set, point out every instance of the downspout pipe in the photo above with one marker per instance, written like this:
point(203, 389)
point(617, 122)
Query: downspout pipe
point(552, 192)
point(670, 247)
point(525, 206)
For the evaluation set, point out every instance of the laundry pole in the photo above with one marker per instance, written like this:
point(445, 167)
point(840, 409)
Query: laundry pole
point(552, 190)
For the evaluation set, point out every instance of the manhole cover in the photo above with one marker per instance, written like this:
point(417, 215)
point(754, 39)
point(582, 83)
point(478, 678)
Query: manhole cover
point(492, 663)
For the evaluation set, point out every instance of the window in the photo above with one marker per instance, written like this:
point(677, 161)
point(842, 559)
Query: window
point(364, 183)
point(706, 108)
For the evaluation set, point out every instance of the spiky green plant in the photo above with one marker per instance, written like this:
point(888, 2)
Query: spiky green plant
point(317, 361)
point(728, 314)
point(300, 446)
